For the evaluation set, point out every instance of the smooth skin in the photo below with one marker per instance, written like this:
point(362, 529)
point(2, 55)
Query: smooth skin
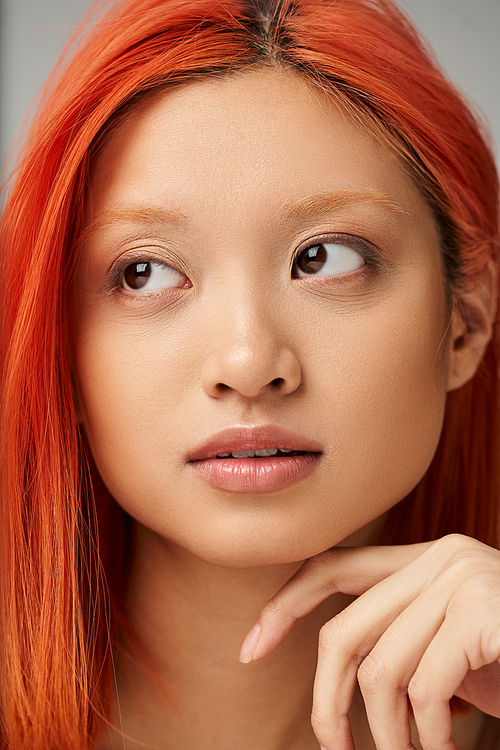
point(220, 185)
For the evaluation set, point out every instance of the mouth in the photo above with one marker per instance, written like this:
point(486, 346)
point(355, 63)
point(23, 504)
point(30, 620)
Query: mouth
point(262, 453)
point(254, 459)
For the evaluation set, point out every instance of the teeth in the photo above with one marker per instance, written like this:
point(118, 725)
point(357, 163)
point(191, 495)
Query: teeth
point(261, 453)
point(266, 452)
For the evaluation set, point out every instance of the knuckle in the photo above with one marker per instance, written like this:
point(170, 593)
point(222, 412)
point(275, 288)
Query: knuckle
point(332, 634)
point(372, 675)
point(317, 561)
point(460, 556)
point(419, 692)
point(332, 555)
point(320, 723)
point(315, 571)
point(273, 608)
point(458, 547)
point(453, 541)
point(321, 567)
point(277, 610)
point(476, 589)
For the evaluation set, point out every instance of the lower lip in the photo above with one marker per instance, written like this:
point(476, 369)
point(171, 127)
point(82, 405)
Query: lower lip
point(250, 475)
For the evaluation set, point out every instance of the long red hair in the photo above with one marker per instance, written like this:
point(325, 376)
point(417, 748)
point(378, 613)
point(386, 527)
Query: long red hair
point(59, 581)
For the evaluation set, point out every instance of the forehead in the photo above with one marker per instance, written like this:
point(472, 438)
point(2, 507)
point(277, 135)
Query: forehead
point(254, 140)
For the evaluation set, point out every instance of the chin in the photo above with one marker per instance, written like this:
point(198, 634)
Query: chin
point(231, 558)
point(262, 550)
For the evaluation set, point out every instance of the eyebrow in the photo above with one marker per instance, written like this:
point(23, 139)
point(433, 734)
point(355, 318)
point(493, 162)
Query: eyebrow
point(145, 216)
point(316, 204)
point(301, 210)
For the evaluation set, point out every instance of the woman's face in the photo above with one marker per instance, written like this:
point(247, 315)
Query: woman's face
point(257, 258)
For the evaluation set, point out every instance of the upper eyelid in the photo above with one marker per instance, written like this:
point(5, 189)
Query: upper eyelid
point(147, 254)
point(116, 270)
point(367, 249)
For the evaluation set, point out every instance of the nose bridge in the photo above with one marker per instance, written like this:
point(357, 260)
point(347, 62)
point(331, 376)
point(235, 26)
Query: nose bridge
point(247, 346)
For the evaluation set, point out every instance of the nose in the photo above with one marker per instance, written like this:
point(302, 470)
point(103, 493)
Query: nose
point(246, 353)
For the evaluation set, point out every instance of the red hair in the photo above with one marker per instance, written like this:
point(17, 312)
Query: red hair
point(56, 663)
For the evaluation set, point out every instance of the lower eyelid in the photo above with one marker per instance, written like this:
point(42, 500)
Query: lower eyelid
point(300, 273)
point(370, 264)
point(154, 264)
point(360, 275)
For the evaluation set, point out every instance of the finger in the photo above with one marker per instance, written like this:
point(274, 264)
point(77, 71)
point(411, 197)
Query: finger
point(353, 571)
point(481, 687)
point(392, 616)
point(468, 639)
point(379, 639)
point(385, 673)
point(430, 691)
point(340, 569)
point(344, 644)
point(392, 664)
point(332, 698)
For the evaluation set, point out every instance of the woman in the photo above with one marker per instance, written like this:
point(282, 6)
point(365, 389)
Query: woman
point(249, 282)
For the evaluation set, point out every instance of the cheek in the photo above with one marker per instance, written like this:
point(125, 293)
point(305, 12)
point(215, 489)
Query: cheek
point(129, 387)
point(385, 397)
point(139, 404)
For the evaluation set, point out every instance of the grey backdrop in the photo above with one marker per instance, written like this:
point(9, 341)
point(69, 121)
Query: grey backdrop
point(465, 34)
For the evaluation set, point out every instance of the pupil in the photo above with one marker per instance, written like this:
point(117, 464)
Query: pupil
point(312, 259)
point(137, 274)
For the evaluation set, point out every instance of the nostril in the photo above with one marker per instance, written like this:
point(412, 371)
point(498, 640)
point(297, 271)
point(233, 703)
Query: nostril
point(250, 373)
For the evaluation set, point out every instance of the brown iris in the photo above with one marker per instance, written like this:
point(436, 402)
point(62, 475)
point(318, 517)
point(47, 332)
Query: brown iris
point(312, 259)
point(137, 274)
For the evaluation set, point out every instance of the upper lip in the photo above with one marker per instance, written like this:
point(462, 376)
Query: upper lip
point(252, 437)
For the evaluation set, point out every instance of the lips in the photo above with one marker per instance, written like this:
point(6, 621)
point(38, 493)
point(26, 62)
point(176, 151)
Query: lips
point(251, 438)
point(268, 458)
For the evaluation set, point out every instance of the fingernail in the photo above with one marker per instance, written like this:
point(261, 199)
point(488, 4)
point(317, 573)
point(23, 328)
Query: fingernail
point(249, 644)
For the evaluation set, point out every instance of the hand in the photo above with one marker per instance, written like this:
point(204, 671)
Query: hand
point(426, 625)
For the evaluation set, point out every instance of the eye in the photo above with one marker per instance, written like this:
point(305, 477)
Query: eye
point(147, 276)
point(327, 259)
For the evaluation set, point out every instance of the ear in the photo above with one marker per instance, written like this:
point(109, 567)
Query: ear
point(471, 328)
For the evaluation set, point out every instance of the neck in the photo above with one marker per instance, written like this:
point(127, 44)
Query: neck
point(191, 618)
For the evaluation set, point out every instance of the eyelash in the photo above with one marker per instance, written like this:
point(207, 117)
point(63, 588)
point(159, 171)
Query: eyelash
point(366, 249)
point(117, 272)
point(363, 247)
